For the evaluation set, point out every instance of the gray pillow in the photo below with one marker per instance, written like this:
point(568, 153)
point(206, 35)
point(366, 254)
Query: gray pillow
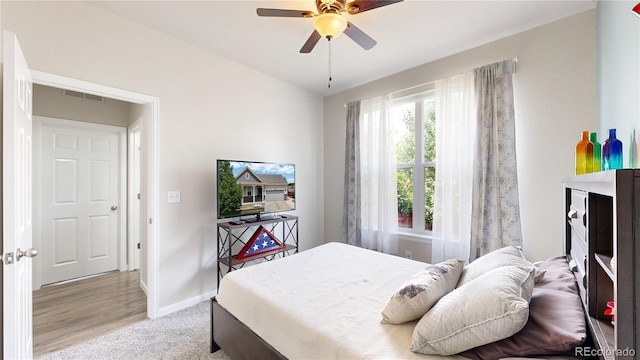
point(489, 308)
point(418, 294)
point(508, 255)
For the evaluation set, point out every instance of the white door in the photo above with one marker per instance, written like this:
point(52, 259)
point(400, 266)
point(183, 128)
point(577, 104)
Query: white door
point(17, 199)
point(80, 198)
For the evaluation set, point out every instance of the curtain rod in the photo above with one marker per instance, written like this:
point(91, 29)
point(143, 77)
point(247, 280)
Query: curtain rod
point(407, 89)
point(515, 62)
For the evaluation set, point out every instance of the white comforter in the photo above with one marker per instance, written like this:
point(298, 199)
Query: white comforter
point(324, 303)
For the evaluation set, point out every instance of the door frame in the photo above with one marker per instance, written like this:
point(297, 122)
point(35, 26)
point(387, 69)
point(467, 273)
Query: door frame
point(133, 215)
point(152, 134)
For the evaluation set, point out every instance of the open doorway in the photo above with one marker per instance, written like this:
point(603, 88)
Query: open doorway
point(80, 185)
point(80, 218)
point(132, 270)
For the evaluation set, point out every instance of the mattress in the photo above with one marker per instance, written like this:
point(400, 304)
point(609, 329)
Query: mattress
point(324, 303)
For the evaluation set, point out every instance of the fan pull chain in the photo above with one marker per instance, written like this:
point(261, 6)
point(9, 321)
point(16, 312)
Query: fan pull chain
point(329, 85)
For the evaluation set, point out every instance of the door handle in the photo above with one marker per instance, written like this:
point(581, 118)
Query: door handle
point(31, 253)
point(114, 208)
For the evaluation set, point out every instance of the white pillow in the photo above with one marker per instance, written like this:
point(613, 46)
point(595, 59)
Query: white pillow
point(489, 308)
point(508, 255)
point(418, 294)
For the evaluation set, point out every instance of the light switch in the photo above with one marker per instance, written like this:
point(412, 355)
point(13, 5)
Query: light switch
point(173, 196)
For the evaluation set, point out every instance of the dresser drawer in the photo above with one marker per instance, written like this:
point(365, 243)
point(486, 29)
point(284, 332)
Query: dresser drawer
point(577, 214)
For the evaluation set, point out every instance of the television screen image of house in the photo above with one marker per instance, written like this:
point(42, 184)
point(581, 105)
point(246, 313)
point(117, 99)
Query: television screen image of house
point(247, 188)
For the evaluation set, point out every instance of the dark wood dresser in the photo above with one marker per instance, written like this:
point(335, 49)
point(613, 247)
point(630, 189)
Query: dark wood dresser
point(602, 231)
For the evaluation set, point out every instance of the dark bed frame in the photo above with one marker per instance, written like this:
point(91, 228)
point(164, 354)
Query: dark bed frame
point(231, 330)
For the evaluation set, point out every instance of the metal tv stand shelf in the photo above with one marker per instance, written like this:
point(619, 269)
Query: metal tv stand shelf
point(233, 236)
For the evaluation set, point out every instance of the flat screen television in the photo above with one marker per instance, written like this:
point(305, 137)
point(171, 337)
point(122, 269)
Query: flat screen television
point(247, 190)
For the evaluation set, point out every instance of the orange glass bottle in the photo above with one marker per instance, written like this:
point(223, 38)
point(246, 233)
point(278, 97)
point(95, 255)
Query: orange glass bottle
point(584, 155)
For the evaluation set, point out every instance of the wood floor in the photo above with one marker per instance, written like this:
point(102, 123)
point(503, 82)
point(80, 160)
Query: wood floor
point(76, 312)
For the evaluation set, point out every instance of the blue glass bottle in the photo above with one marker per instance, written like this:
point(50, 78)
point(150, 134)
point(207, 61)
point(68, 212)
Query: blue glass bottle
point(612, 152)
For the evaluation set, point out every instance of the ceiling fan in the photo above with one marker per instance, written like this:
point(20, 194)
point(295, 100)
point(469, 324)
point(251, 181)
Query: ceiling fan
point(329, 22)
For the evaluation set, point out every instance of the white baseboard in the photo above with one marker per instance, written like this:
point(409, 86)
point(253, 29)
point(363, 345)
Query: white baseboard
point(143, 286)
point(186, 303)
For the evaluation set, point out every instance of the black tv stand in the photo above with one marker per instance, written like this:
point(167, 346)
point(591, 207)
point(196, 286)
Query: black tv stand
point(260, 217)
point(232, 237)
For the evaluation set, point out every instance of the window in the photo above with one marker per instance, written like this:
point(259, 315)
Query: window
point(414, 125)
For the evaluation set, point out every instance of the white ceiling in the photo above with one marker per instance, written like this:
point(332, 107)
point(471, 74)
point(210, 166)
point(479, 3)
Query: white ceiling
point(409, 33)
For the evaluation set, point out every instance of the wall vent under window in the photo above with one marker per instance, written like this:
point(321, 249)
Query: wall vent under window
point(82, 95)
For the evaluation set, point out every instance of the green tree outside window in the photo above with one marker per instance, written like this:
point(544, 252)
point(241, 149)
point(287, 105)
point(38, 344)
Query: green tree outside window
point(406, 145)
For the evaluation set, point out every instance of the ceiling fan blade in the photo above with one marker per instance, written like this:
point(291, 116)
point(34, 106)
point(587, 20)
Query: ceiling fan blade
point(358, 6)
point(311, 42)
point(359, 37)
point(284, 13)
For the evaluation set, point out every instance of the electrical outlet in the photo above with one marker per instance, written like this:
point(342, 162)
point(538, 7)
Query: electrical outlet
point(407, 254)
point(173, 196)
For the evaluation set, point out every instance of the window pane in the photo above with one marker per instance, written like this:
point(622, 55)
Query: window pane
point(404, 121)
point(405, 197)
point(429, 113)
point(429, 193)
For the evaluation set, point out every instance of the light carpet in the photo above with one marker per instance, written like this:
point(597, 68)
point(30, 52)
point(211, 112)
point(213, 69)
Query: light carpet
point(180, 335)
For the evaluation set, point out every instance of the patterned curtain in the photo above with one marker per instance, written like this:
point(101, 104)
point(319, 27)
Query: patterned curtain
point(495, 211)
point(351, 208)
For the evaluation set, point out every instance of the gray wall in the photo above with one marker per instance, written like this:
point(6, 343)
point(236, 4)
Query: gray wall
point(618, 69)
point(206, 103)
point(555, 95)
point(56, 103)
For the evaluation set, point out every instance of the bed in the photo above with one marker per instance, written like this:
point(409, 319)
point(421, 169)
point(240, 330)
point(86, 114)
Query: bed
point(326, 303)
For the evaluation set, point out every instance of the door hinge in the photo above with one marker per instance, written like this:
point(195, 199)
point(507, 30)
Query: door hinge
point(138, 246)
point(8, 258)
point(138, 196)
point(150, 221)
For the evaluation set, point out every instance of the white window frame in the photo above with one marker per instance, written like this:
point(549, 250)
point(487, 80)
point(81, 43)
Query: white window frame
point(418, 164)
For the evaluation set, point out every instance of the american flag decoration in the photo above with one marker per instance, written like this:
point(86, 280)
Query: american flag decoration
point(261, 241)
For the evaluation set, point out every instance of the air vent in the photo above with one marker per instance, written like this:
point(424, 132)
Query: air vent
point(83, 95)
point(93, 97)
point(74, 94)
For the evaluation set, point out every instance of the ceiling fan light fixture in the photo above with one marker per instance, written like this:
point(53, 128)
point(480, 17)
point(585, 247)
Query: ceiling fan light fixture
point(329, 25)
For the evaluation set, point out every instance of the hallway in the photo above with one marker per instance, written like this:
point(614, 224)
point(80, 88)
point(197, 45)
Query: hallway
point(75, 312)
